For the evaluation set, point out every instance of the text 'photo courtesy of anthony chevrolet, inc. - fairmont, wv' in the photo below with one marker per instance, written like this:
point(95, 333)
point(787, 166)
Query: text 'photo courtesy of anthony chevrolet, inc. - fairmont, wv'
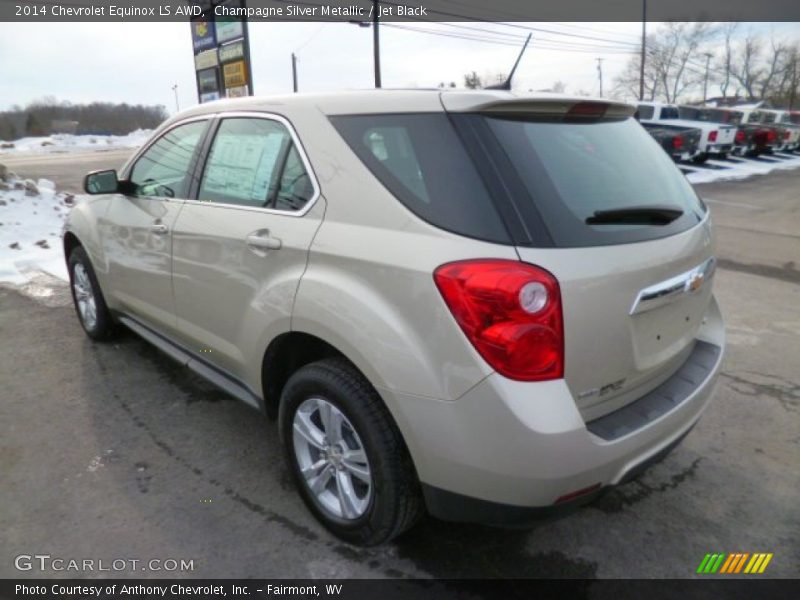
point(426, 299)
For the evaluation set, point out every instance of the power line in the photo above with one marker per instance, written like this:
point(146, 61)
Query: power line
point(543, 44)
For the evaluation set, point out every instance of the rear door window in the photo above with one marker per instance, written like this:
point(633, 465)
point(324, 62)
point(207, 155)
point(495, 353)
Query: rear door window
point(420, 159)
point(255, 162)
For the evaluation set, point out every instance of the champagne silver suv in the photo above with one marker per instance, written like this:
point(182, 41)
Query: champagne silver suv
point(479, 304)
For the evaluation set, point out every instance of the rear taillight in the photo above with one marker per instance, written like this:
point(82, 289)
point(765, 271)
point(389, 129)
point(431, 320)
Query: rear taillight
point(677, 142)
point(712, 136)
point(739, 136)
point(587, 110)
point(771, 137)
point(787, 134)
point(511, 313)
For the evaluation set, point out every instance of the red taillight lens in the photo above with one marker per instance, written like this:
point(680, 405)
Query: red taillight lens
point(739, 136)
point(511, 312)
point(712, 136)
point(771, 135)
point(787, 134)
point(677, 142)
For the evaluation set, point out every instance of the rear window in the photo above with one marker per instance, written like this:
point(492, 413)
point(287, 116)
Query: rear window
point(669, 112)
point(572, 170)
point(644, 112)
point(420, 159)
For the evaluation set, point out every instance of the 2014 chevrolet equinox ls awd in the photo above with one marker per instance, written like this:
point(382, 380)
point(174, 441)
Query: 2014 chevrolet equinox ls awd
point(476, 303)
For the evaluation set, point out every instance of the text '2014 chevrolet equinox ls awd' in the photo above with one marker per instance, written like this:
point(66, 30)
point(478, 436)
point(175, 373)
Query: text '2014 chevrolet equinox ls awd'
point(476, 303)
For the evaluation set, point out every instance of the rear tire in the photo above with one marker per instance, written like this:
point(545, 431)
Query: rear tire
point(93, 314)
point(359, 480)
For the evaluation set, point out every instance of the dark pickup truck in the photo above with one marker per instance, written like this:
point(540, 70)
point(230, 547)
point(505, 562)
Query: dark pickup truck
point(753, 136)
point(679, 142)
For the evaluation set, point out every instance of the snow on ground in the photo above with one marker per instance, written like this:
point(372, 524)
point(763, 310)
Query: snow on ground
point(31, 218)
point(64, 143)
point(739, 168)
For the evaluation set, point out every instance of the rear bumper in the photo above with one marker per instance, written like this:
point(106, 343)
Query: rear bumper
point(450, 506)
point(520, 447)
point(719, 148)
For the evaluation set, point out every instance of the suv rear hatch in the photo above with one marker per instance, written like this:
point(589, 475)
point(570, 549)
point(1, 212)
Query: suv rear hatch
point(582, 191)
point(624, 233)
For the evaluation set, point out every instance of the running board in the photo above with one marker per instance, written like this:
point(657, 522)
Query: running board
point(227, 383)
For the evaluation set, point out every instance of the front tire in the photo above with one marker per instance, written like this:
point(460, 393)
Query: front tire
point(93, 314)
point(346, 455)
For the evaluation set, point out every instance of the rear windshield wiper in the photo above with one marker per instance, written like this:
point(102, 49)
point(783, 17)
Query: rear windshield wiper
point(636, 215)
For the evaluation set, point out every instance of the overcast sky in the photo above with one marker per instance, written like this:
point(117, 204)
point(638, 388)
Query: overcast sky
point(138, 63)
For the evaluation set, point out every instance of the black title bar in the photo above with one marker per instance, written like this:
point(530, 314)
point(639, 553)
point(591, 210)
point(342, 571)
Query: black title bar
point(400, 10)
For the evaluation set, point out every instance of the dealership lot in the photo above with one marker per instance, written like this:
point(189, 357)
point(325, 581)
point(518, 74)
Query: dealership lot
point(113, 452)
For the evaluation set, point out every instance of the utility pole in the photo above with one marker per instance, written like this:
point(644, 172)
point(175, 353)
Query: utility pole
point(600, 73)
point(294, 72)
point(641, 65)
point(177, 106)
point(705, 80)
point(376, 43)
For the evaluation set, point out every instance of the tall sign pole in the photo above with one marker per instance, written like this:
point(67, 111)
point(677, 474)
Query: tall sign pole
point(376, 43)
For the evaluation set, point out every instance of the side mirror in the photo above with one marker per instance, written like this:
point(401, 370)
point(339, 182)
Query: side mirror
point(101, 182)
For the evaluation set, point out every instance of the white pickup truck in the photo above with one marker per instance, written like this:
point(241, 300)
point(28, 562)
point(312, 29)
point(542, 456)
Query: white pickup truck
point(717, 139)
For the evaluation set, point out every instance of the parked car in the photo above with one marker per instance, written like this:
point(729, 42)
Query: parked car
point(722, 141)
point(716, 139)
point(679, 142)
point(482, 304)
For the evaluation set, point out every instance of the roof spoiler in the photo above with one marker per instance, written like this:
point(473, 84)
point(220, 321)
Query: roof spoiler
point(540, 106)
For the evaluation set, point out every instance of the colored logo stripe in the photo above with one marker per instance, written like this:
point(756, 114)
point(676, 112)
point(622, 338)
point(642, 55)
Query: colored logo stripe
point(734, 562)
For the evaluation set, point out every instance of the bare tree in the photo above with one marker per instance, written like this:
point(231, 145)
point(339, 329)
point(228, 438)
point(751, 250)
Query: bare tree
point(724, 65)
point(775, 67)
point(745, 64)
point(472, 81)
point(669, 70)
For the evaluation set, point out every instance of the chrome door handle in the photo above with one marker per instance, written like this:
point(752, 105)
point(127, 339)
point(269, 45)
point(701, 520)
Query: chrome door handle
point(263, 242)
point(159, 228)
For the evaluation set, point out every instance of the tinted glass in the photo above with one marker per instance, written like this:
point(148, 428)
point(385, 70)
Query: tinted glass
point(669, 112)
point(573, 170)
point(163, 170)
point(644, 112)
point(692, 113)
point(735, 117)
point(421, 160)
point(253, 162)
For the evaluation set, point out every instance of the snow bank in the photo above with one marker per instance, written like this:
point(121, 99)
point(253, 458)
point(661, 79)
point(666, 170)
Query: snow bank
point(65, 143)
point(741, 169)
point(31, 218)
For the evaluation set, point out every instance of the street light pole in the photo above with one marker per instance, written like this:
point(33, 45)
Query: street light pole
point(294, 72)
point(177, 106)
point(600, 74)
point(376, 43)
point(641, 65)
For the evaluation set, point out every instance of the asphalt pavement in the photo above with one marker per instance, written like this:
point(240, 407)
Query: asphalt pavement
point(111, 451)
